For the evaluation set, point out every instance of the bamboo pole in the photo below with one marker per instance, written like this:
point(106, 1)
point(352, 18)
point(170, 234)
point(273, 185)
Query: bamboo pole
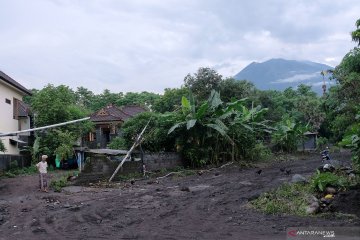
point(42, 128)
point(128, 154)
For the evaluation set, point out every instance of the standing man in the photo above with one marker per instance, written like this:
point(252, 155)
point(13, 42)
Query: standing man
point(42, 168)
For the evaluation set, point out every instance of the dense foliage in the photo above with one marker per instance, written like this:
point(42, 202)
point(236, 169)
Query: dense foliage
point(63, 108)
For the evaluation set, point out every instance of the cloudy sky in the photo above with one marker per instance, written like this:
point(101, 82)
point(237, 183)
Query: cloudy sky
point(149, 45)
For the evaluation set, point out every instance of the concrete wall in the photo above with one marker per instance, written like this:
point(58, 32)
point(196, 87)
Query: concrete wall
point(157, 161)
point(101, 167)
point(7, 123)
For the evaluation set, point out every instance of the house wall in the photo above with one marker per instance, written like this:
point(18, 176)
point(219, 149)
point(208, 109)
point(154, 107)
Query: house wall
point(7, 123)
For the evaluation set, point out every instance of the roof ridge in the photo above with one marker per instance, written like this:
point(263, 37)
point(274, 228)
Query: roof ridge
point(14, 83)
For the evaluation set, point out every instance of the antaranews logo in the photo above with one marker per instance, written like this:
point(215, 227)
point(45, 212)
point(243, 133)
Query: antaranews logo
point(292, 233)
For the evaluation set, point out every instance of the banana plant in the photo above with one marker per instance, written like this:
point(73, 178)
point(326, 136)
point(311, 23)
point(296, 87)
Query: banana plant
point(205, 118)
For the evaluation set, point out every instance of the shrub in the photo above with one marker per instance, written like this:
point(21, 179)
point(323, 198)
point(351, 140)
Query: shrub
point(118, 143)
point(288, 199)
point(322, 180)
point(58, 184)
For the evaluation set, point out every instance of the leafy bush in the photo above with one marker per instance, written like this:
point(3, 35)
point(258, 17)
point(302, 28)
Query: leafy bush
point(15, 170)
point(352, 140)
point(259, 152)
point(321, 143)
point(58, 184)
point(322, 180)
point(288, 134)
point(155, 137)
point(118, 143)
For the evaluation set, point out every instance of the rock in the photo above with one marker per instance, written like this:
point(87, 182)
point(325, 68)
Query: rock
point(311, 210)
point(67, 205)
point(39, 230)
point(200, 172)
point(330, 190)
point(297, 178)
point(352, 176)
point(313, 199)
point(326, 201)
point(74, 208)
point(185, 189)
point(254, 196)
point(315, 205)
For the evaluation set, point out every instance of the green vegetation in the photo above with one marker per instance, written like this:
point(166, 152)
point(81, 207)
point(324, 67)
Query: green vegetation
point(327, 179)
point(16, 171)
point(61, 181)
point(58, 184)
point(2, 146)
point(294, 198)
point(287, 199)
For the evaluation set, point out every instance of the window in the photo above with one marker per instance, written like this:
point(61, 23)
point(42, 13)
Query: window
point(15, 108)
point(8, 101)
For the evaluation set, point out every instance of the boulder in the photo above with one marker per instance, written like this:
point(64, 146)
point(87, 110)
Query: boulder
point(311, 210)
point(330, 190)
point(297, 178)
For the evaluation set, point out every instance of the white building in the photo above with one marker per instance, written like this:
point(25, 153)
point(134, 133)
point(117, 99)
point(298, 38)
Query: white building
point(14, 113)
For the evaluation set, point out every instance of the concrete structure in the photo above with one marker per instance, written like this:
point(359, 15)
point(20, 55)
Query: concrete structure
point(14, 113)
point(309, 143)
point(102, 166)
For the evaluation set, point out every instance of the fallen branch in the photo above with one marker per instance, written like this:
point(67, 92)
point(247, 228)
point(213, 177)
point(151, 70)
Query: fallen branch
point(171, 173)
point(205, 170)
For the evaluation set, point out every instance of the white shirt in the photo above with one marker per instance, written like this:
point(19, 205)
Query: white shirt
point(42, 166)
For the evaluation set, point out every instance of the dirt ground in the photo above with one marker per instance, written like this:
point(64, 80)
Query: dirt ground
point(213, 205)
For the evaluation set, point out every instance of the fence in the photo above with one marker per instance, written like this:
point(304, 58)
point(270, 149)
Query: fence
point(7, 161)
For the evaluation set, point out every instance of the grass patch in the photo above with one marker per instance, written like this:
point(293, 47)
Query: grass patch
point(287, 199)
point(13, 172)
point(61, 182)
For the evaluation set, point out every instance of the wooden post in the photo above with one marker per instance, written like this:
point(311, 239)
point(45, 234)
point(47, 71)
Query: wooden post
point(128, 154)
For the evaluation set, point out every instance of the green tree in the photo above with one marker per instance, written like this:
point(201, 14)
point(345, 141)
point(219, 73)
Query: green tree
point(53, 105)
point(143, 99)
point(355, 35)
point(155, 138)
point(171, 99)
point(84, 98)
point(105, 98)
point(231, 88)
point(203, 82)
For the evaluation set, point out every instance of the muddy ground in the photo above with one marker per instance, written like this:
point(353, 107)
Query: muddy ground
point(213, 205)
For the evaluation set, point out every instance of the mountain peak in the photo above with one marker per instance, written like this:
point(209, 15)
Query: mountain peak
point(279, 74)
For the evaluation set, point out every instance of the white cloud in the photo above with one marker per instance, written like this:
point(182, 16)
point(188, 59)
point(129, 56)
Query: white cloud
point(297, 78)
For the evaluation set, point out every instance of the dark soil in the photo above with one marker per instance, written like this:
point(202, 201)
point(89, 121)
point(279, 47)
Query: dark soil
point(213, 205)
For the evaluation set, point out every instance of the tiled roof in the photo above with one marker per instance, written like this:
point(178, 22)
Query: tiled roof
point(13, 83)
point(113, 113)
